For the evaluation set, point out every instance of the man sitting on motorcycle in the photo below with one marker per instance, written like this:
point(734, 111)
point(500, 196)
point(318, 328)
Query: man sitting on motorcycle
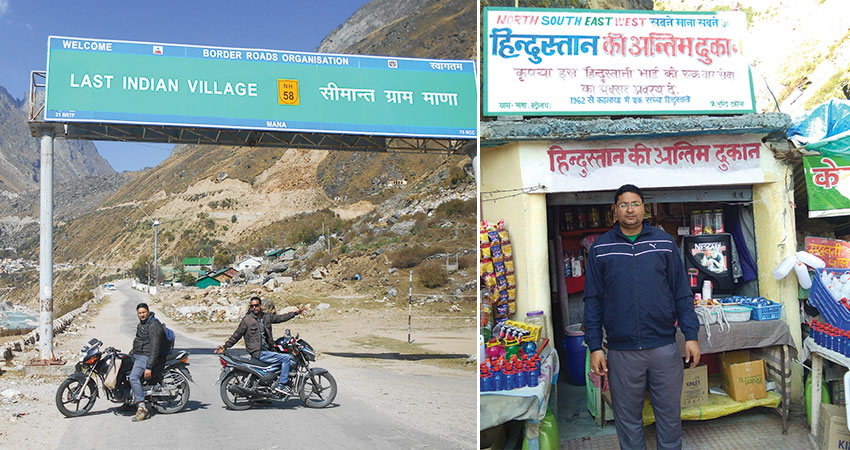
point(146, 354)
point(256, 327)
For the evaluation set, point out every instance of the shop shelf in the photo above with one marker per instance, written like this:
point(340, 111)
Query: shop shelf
point(584, 231)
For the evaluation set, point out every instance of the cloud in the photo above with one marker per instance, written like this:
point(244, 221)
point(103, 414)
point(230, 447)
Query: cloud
point(4, 6)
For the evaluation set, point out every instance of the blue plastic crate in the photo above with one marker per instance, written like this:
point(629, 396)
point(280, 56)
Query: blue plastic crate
point(831, 309)
point(766, 312)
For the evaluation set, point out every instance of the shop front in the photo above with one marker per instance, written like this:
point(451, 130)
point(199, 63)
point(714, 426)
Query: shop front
point(711, 183)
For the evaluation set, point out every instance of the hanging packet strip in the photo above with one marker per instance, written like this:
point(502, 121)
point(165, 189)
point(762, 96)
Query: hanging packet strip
point(494, 236)
point(499, 268)
point(502, 282)
point(509, 266)
point(506, 250)
point(496, 251)
point(503, 236)
point(486, 267)
point(485, 251)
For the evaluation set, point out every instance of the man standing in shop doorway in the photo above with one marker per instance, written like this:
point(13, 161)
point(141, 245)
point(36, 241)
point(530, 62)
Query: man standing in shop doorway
point(636, 287)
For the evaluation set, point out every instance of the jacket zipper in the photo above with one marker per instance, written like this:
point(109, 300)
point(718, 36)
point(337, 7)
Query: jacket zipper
point(637, 305)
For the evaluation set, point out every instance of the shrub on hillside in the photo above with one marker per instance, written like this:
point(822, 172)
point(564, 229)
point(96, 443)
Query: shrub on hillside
point(432, 275)
point(457, 208)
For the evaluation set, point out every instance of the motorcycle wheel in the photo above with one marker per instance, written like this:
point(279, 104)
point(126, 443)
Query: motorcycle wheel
point(318, 390)
point(174, 380)
point(68, 390)
point(232, 400)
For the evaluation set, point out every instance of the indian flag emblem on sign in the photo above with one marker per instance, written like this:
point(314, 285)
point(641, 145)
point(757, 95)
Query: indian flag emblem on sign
point(287, 92)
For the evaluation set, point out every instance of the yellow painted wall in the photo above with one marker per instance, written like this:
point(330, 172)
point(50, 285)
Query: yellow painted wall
point(775, 240)
point(525, 220)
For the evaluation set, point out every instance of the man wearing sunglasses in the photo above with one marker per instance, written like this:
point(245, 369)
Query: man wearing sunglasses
point(256, 327)
point(637, 288)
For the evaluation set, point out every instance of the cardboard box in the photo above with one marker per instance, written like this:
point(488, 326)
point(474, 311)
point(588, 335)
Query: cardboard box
point(743, 377)
point(695, 385)
point(832, 428)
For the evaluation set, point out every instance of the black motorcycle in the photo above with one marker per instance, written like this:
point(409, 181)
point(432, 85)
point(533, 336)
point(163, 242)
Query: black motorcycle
point(167, 390)
point(245, 380)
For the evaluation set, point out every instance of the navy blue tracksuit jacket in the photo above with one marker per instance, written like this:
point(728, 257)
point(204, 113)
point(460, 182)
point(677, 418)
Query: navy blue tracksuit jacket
point(637, 291)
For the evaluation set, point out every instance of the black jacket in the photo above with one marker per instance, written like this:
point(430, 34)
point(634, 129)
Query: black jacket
point(250, 328)
point(149, 339)
point(637, 291)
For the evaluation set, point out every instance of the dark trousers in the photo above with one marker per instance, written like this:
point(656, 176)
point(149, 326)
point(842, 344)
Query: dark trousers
point(630, 373)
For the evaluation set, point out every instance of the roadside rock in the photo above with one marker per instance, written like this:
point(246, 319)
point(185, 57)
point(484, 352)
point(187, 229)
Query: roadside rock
point(392, 292)
point(269, 285)
point(278, 268)
point(323, 306)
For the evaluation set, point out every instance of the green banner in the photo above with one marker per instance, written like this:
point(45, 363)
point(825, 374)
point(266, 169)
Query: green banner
point(106, 81)
point(828, 185)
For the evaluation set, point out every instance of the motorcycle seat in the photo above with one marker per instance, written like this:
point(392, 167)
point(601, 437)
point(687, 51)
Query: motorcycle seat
point(256, 362)
point(174, 356)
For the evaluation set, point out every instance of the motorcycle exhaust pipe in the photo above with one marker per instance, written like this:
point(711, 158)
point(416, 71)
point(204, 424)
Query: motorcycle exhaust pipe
point(239, 390)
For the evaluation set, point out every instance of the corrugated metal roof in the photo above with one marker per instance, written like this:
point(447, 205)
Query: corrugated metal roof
point(499, 132)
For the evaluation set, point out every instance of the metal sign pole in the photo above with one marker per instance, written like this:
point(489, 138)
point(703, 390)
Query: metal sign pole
point(409, 306)
point(45, 291)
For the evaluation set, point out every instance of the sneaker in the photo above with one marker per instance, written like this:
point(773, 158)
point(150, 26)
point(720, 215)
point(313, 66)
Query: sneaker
point(141, 414)
point(283, 389)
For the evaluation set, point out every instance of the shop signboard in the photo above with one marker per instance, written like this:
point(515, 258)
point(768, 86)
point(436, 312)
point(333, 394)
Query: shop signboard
point(605, 62)
point(575, 166)
point(827, 185)
point(108, 81)
point(833, 252)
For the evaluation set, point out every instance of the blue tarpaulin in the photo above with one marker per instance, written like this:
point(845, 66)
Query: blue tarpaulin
point(824, 129)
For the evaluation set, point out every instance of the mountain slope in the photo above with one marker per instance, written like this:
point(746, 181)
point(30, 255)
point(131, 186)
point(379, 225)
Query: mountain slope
point(20, 152)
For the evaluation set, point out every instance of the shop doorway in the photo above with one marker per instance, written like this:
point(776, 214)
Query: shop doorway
point(575, 219)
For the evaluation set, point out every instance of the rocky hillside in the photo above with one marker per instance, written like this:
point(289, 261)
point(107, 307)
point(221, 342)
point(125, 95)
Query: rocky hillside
point(19, 152)
point(380, 211)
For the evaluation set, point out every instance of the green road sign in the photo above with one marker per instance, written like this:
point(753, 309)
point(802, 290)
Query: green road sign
point(106, 81)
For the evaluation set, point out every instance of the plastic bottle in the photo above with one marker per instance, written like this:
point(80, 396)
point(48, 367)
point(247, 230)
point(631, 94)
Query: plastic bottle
point(706, 290)
point(510, 376)
point(568, 264)
point(696, 222)
point(521, 378)
point(577, 265)
point(498, 378)
point(486, 379)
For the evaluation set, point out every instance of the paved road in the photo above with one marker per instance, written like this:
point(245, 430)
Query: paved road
point(350, 422)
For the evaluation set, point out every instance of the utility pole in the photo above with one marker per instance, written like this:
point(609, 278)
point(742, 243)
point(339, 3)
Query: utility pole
point(45, 291)
point(155, 249)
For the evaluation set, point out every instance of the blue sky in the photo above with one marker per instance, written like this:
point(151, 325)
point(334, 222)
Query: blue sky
point(281, 25)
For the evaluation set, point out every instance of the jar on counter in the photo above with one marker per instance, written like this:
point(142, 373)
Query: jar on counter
point(581, 218)
point(595, 217)
point(569, 219)
point(537, 318)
